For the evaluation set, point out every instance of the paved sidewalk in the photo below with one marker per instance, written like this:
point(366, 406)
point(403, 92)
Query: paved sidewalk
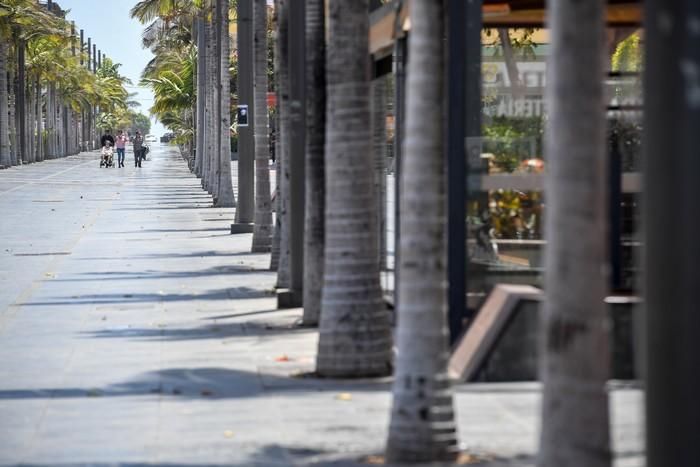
point(135, 330)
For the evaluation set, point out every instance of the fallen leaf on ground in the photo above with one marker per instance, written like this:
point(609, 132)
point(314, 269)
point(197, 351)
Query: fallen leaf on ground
point(228, 434)
point(344, 396)
point(206, 392)
point(282, 358)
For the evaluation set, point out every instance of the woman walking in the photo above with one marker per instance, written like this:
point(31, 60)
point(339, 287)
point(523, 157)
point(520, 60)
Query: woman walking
point(121, 147)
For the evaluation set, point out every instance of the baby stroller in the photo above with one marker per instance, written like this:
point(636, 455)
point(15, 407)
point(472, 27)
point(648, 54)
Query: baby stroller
point(107, 159)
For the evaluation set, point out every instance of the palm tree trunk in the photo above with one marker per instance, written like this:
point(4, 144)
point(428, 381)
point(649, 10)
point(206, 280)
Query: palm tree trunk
point(5, 158)
point(575, 367)
point(277, 228)
point(315, 142)
point(224, 196)
point(208, 107)
point(13, 127)
point(276, 232)
point(31, 123)
point(39, 115)
point(50, 123)
point(354, 335)
point(201, 91)
point(379, 152)
point(283, 132)
point(262, 231)
point(215, 58)
point(422, 427)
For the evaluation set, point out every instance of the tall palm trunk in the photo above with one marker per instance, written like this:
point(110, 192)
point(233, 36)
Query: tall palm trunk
point(5, 157)
point(315, 142)
point(575, 346)
point(262, 232)
point(209, 101)
point(39, 116)
point(215, 101)
point(277, 228)
point(201, 100)
point(283, 220)
point(224, 196)
point(354, 334)
point(31, 123)
point(422, 418)
point(13, 127)
point(50, 122)
point(379, 155)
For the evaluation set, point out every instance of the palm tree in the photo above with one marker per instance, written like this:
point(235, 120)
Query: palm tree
point(315, 142)
point(201, 90)
point(224, 196)
point(575, 368)
point(5, 157)
point(422, 418)
point(262, 233)
point(282, 218)
point(354, 332)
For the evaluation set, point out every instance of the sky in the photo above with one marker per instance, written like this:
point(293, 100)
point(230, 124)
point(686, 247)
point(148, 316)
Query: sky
point(107, 22)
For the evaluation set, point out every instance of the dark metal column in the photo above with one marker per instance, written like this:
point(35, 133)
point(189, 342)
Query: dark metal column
point(297, 150)
point(245, 209)
point(671, 226)
point(464, 121)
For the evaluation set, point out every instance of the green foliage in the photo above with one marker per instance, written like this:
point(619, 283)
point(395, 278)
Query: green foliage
point(139, 122)
point(628, 54)
point(510, 140)
point(49, 57)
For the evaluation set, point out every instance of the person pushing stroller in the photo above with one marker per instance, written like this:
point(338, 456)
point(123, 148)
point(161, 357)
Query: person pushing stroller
point(107, 159)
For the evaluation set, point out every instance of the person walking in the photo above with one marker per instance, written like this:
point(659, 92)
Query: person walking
point(107, 136)
point(138, 149)
point(120, 143)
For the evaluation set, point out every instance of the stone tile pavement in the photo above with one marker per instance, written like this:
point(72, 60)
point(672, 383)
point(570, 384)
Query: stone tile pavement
point(135, 330)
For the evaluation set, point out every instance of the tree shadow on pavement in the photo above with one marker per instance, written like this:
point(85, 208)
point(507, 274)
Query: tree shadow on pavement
point(208, 331)
point(203, 383)
point(224, 270)
point(194, 254)
point(126, 298)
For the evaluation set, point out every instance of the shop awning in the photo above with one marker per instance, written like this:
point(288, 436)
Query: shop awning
point(393, 19)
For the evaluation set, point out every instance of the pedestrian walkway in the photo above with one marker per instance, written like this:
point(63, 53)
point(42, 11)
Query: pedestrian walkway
point(135, 330)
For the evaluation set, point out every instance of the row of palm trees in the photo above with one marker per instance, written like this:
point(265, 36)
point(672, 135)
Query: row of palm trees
point(54, 93)
point(190, 77)
point(342, 294)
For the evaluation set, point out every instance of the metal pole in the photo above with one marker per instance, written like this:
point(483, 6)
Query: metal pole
point(246, 147)
point(297, 153)
point(671, 225)
point(94, 58)
point(99, 59)
point(456, 162)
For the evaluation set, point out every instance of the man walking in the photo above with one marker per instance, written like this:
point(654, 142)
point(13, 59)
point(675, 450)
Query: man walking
point(121, 147)
point(107, 136)
point(138, 149)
